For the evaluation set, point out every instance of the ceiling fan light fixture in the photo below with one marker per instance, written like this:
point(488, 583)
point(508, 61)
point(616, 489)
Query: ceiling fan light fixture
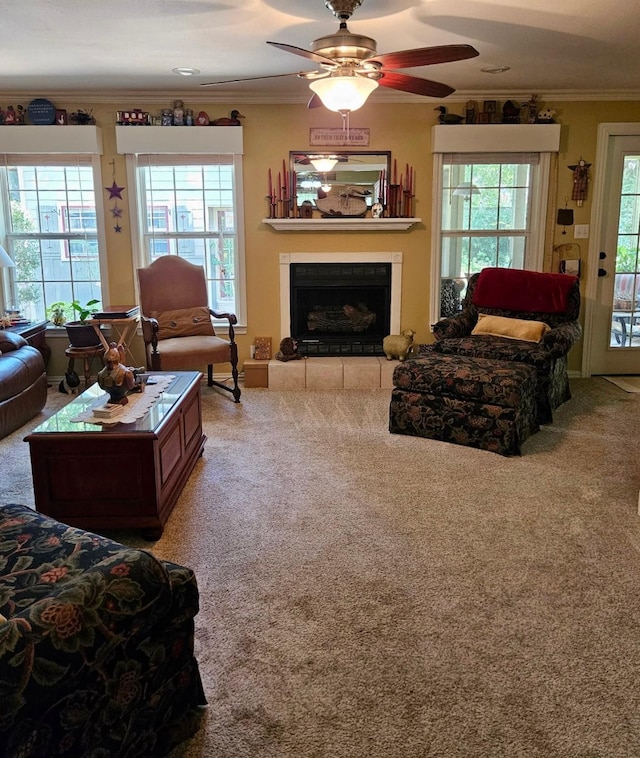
point(344, 93)
point(323, 165)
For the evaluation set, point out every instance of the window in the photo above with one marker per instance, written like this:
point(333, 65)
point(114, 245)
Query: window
point(50, 225)
point(188, 206)
point(491, 213)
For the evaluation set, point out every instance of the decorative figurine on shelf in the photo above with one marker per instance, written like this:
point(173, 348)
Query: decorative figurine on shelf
point(234, 120)
point(546, 116)
point(510, 113)
point(448, 118)
point(288, 350)
point(178, 113)
point(115, 378)
point(82, 117)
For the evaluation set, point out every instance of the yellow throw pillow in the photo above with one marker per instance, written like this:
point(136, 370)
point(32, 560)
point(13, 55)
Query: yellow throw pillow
point(512, 328)
point(184, 322)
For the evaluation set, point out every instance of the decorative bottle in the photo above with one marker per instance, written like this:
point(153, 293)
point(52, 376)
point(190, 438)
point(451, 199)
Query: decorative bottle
point(178, 113)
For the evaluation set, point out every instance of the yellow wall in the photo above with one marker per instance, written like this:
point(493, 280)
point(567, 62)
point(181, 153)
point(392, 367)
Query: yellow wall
point(271, 131)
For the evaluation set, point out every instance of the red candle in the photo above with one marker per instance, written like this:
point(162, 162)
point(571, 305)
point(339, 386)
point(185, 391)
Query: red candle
point(270, 185)
point(395, 172)
point(286, 179)
point(279, 186)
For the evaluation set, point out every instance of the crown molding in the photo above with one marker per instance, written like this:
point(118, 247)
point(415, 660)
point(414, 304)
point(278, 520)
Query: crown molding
point(139, 98)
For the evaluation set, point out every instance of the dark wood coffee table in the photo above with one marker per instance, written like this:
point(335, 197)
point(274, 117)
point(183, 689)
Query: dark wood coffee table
point(122, 475)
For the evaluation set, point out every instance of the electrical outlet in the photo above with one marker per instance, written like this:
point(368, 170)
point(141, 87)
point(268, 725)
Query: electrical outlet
point(581, 232)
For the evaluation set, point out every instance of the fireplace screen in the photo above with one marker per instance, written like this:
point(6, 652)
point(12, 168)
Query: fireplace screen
point(340, 308)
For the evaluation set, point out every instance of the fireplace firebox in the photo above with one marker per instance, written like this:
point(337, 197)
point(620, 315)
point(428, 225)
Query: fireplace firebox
point(340, 309)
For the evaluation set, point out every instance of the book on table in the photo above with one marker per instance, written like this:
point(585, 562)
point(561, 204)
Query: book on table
point(116, 311)
point(108, 410)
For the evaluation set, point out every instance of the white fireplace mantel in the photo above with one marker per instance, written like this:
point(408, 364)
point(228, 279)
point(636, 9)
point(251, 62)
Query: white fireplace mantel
point(286, 259)
point(341, 224)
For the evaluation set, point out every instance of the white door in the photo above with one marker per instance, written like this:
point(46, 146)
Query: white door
point(615, 334)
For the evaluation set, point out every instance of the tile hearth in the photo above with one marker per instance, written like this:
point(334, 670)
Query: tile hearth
point(332, 373)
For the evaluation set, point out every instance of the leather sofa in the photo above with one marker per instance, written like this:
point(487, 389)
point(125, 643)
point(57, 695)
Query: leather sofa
point(23, 382)
point(96, 644)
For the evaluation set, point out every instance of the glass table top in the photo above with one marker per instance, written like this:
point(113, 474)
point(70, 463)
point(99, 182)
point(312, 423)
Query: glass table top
point(62, 421)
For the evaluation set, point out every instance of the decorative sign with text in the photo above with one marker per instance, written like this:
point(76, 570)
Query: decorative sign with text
point(321, 136)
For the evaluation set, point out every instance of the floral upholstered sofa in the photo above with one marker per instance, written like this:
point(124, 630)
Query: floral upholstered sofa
point(96, 644)
point(516, 294)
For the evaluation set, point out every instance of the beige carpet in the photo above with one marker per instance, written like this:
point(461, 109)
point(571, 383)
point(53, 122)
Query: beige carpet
point(626, 383)
point(367, 595)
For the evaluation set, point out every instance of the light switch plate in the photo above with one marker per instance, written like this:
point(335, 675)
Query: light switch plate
point(581, 232)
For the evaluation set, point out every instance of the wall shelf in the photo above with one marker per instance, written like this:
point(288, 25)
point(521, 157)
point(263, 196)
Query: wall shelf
point(341, 224)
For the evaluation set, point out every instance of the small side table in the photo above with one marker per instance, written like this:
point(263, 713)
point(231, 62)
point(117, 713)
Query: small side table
point(125, 329)
point(87, 354)
point(35, 334)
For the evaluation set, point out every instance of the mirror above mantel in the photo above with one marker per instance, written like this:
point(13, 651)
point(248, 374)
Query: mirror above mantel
point(321, 174)
point(343, 190)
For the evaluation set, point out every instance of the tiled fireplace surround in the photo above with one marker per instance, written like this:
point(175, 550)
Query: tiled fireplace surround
point(348, 372)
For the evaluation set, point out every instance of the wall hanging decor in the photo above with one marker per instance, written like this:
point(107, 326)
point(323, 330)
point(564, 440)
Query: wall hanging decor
point(115, 194)
point(580, 181)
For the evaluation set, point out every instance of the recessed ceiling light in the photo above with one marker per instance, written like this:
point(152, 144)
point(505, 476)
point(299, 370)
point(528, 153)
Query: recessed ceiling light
point(495, 69)
point(185, 71)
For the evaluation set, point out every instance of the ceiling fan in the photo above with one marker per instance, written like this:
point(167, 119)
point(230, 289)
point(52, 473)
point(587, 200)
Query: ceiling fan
point(350, 68)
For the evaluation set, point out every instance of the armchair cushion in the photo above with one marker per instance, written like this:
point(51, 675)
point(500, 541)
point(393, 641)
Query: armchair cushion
point(184, 322)
point(512, 328)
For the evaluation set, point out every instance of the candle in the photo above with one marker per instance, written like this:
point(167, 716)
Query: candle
point(285, 176)
point(279, 186)
point(395, 172)
point(270, 185)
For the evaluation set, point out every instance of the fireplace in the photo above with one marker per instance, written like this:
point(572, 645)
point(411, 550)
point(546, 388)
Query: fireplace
point(340, 304)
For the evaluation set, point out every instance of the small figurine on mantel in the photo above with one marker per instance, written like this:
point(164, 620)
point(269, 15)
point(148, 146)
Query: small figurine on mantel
point(115, 378)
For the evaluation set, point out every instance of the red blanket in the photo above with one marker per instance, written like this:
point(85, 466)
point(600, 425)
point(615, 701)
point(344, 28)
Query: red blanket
point(518, 290)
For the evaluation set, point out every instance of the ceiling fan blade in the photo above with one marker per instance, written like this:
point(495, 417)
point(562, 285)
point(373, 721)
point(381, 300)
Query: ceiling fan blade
point(314, 102)
point(301, 51)
point(426, 56)
point(248, 79)
point(413, 84)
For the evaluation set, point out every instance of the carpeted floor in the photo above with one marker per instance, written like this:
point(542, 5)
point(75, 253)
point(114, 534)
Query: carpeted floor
point(367, 595)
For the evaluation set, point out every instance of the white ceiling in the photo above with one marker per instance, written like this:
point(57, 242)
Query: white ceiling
point(568, 49)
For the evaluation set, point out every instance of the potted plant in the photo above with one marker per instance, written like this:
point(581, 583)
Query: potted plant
point(79, 332)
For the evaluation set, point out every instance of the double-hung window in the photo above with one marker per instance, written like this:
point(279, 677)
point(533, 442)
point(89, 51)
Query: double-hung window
point(490, 207)
point(50, 223)
point(489, 216)
point(191, 206)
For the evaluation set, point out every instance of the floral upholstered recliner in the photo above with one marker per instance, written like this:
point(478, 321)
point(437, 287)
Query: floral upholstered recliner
point(96, 644)
point(524, 295)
